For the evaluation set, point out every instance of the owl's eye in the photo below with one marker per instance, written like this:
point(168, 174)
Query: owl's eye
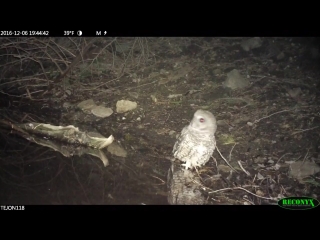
point(201, 119)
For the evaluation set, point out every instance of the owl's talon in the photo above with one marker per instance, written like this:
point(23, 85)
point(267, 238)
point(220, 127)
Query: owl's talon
point(186, 165)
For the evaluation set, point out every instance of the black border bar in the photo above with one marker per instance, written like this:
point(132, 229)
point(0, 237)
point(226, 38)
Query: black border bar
point(151, 33)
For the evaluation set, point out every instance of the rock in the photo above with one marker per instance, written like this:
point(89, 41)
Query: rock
point(315, 52)
point(217, 71)
point(235, 80)
point(67, 105)
point(154, 98)
point(224, 168)
point(251, 43)
point(125, 106)
point(280, 56)
point(221, 123)
point(86, 105)
point(300, 169)
point(134, 94)
point(250, 124)
point(123, 47)
point(171, 133)
point(294, 93)
point(117, 150)
point(101, 111)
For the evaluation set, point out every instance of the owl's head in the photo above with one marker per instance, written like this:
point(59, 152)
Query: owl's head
point(204, 122)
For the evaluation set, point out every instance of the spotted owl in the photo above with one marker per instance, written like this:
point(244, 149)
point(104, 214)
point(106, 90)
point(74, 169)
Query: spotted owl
point(196, 142)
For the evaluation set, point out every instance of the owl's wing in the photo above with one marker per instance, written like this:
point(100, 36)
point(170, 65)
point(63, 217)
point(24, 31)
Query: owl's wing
point(179, 139)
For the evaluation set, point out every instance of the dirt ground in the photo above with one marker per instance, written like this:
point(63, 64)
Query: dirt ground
point(262, 128)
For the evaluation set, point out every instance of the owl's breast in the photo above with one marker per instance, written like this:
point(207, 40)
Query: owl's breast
point(194, 151)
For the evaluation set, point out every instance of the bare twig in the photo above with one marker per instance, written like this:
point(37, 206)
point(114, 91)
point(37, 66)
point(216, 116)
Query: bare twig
point(225, 159)
point(282, 157)
point(240, 188)
point(305, 157)
point(162, 182)
point(76, 60)
point(231, 152)
point(246, 172)
point(304, 130)
point(256, 121)
point(141, 85)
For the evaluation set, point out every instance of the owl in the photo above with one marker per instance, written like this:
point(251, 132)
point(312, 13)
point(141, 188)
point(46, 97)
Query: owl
point(196, 142)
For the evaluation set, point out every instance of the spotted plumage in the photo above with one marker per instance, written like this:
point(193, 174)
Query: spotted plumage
point(196, 142)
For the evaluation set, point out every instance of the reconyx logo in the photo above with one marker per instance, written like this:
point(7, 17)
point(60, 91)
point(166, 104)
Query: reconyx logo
point(298, 203)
